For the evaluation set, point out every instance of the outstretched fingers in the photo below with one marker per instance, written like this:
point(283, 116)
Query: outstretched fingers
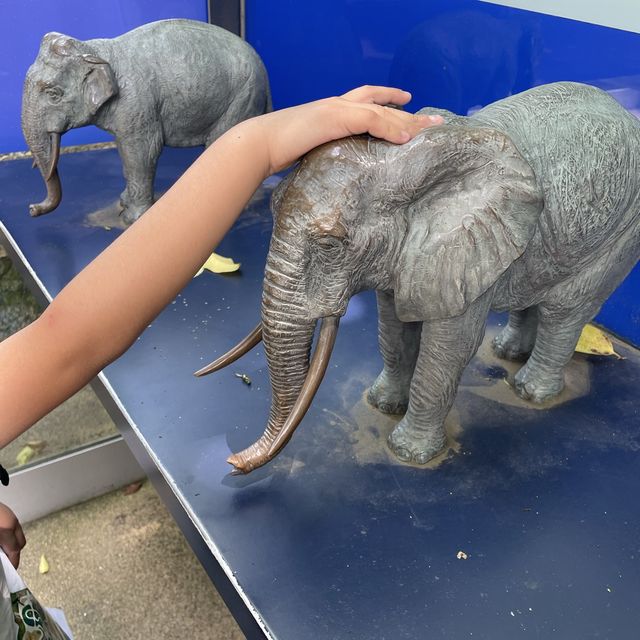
point(290, 133)
point(384, 122)
point(390, 124)
point(378, 95)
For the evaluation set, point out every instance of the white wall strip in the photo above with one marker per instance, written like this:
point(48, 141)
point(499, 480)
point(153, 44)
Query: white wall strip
point(619, 14)
point(51, 485)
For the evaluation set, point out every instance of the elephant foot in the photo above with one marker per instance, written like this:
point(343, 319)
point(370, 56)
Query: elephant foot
point(537, 386)
point(388, 395)
point(513, 344)
point(408, 446)
point(130, 213)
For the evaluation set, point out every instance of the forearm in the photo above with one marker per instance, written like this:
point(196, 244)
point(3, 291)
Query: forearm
point(123, 289)
point(100, 313)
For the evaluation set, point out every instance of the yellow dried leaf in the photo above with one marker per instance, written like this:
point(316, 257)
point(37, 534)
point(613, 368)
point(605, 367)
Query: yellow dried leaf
point(25, 454)
point(219, 264)
point(43, 567)
point(37, 445)
point(595, 342)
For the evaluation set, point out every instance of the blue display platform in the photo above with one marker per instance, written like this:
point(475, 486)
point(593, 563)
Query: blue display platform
point(335, 539)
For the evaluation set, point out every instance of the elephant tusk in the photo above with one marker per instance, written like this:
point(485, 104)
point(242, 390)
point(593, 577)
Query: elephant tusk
point(317, 369)
point(244, 346)
point(54, 154)
point(257, 455)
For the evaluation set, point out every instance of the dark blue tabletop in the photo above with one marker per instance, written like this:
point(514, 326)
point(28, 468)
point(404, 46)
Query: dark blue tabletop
point(335, 539)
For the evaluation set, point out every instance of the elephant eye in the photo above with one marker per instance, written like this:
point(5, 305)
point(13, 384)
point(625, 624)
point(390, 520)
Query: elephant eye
point(331, 242)
point(54, 93)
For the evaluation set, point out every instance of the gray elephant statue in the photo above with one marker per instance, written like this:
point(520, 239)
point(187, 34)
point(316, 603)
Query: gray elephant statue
point(530, 206)
point(180, 83)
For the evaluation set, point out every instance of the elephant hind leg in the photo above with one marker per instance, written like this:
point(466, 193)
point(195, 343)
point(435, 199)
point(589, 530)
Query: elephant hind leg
point(561, 318)
point(542, 377)
point(516, 340)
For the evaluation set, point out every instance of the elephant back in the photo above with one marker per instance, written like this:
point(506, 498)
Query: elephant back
point(582, 146)
point(204, 65)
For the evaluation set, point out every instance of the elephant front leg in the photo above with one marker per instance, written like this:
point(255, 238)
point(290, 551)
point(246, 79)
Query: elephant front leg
point(139, 160)
point(446, 347)
point(399, 344)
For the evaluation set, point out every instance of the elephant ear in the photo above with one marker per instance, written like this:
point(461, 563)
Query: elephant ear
point(278, 193)
point(99, 83)
point(58, 44)
point(472, 204)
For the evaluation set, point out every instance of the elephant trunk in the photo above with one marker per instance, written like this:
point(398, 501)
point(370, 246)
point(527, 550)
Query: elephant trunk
point(287, 334)
point(45, 148)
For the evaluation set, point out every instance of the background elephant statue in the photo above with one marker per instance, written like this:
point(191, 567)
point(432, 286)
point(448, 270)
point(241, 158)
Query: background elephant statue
point(180, 83)
point(531, 206)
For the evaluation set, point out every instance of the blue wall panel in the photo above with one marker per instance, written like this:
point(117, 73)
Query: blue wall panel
point(456, 54)
point(24, 22)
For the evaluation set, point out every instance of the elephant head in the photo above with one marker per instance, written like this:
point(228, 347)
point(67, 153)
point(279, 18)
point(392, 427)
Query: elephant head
point(437, 221)
point(64, 88)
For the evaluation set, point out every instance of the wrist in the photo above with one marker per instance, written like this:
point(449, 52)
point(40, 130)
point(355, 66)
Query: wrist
point(252, 136)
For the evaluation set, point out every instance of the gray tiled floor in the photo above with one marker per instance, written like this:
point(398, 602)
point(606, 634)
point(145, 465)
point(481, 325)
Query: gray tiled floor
point(121, 570)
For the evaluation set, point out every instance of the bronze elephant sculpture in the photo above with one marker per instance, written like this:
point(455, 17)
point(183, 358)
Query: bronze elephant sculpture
point(530, 206)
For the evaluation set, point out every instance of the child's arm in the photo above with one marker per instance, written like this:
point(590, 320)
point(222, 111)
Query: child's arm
point(99, 314)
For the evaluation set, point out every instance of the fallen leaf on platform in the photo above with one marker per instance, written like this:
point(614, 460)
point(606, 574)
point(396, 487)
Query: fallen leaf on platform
point(219, 264)
point(595, 342)
point(37, 445)
point(24, 455)
point(43, 567)
point(132, 488)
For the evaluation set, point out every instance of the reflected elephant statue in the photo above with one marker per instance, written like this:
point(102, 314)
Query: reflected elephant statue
point(488, 57)
point(531, 206)
point(180, 83)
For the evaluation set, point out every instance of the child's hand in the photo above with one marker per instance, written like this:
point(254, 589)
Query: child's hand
point(12, 538)
point(290, 133)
